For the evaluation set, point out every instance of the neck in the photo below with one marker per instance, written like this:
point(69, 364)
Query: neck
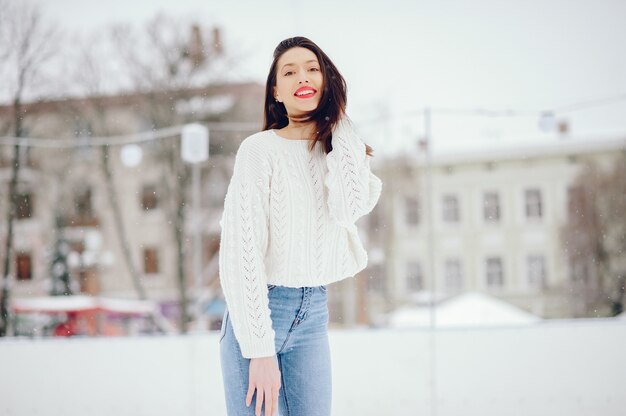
point(301, 130)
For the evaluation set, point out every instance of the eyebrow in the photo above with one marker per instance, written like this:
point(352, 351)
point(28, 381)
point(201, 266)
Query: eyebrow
point(310, 60)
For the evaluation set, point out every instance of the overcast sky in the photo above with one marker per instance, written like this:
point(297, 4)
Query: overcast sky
point(399, 56)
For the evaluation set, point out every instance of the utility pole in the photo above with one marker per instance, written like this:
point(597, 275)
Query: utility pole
point(195, 150)
point(430, 205)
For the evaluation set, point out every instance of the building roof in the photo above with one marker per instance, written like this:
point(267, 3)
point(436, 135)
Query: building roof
point(534, 149)
point(129, 99)
point(531, 149)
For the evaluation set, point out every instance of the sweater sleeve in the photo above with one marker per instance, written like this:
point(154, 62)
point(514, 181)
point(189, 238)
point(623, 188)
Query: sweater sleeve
point(353, 189)
point(244, 241)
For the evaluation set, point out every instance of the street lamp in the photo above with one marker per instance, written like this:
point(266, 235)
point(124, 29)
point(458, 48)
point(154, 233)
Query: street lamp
point(195, 150)
point(131, 155)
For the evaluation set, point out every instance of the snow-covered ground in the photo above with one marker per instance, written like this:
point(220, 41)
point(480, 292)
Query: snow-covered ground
point(572, 368)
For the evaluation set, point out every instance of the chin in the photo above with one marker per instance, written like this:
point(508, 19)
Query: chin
point(301, 111)
point(309, 107)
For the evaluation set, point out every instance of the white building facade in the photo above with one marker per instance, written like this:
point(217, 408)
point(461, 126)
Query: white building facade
point(488, 222)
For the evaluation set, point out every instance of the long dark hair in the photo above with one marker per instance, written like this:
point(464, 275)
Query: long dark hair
point(332, 104)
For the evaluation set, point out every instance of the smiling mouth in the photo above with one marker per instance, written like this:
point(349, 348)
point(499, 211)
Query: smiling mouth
point(305, 93)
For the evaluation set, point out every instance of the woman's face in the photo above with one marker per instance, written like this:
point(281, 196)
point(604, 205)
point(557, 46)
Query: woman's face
point(299, 81)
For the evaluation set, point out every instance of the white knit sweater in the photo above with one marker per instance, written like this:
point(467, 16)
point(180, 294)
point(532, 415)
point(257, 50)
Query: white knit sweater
point(289, 220)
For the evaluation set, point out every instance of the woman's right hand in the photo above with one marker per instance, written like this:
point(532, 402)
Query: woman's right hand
point(265, 378)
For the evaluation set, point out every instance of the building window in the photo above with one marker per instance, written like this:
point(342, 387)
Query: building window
point(453, 275)
point(451, 208)
point(411, 210)
point(150, 260)
point(24, 205)
point(376, 279)
point(23, 266)
point(414, 277)
point(491, 207)
point(534, 209)
point(536, 265)
point(149, 199)
point(82, 202)
point(495, 272)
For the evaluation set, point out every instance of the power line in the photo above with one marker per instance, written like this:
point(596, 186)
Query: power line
point(121, 140)
point(591, 103)
point(174, 131)
point(583, 105)
point(94, 141)
point(500, 113)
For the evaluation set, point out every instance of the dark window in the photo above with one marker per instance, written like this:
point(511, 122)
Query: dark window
point(24, 206)
point(451, 208)
point(82, 202)
point(534, 205)
point(491, 207)
point(494, 272)
point(149, 200)
point(23, 266)
point(150, 260)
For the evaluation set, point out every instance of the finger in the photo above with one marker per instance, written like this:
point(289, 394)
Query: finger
point(250, 394)
point(259, 402)
point(269, 406)
point(275, 401)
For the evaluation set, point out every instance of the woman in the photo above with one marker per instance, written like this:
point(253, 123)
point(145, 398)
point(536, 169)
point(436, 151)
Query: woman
point(288, 230)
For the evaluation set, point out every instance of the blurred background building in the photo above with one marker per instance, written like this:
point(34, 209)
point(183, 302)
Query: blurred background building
point(498, 221)
point(497, 215)
point(70, 183)
point(103, 199)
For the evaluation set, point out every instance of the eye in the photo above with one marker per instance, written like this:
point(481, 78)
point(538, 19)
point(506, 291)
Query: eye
point(314, 69)
point(289, 72)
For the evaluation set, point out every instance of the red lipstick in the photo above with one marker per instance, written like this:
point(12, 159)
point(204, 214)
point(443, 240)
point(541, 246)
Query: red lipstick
point(305, 92)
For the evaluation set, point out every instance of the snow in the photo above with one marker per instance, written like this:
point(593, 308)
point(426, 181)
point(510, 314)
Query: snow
point(467, 309)
point(569, 368)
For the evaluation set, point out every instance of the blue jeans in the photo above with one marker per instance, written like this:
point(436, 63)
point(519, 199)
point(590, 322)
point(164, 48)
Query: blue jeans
point(300, 322)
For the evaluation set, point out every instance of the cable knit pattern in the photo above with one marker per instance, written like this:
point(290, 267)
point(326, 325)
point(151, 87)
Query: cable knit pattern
point(278, 206)
point(320, 224)
point(243, 246)
point(353, 188)
point(289, 219)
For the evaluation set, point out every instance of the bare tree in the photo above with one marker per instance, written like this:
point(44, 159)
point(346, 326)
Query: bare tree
point(595, 239)
point(27, 45)
point(169, 58)
point(91, 76)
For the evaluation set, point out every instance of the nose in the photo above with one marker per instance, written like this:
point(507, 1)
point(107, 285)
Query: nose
point(303, 77)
